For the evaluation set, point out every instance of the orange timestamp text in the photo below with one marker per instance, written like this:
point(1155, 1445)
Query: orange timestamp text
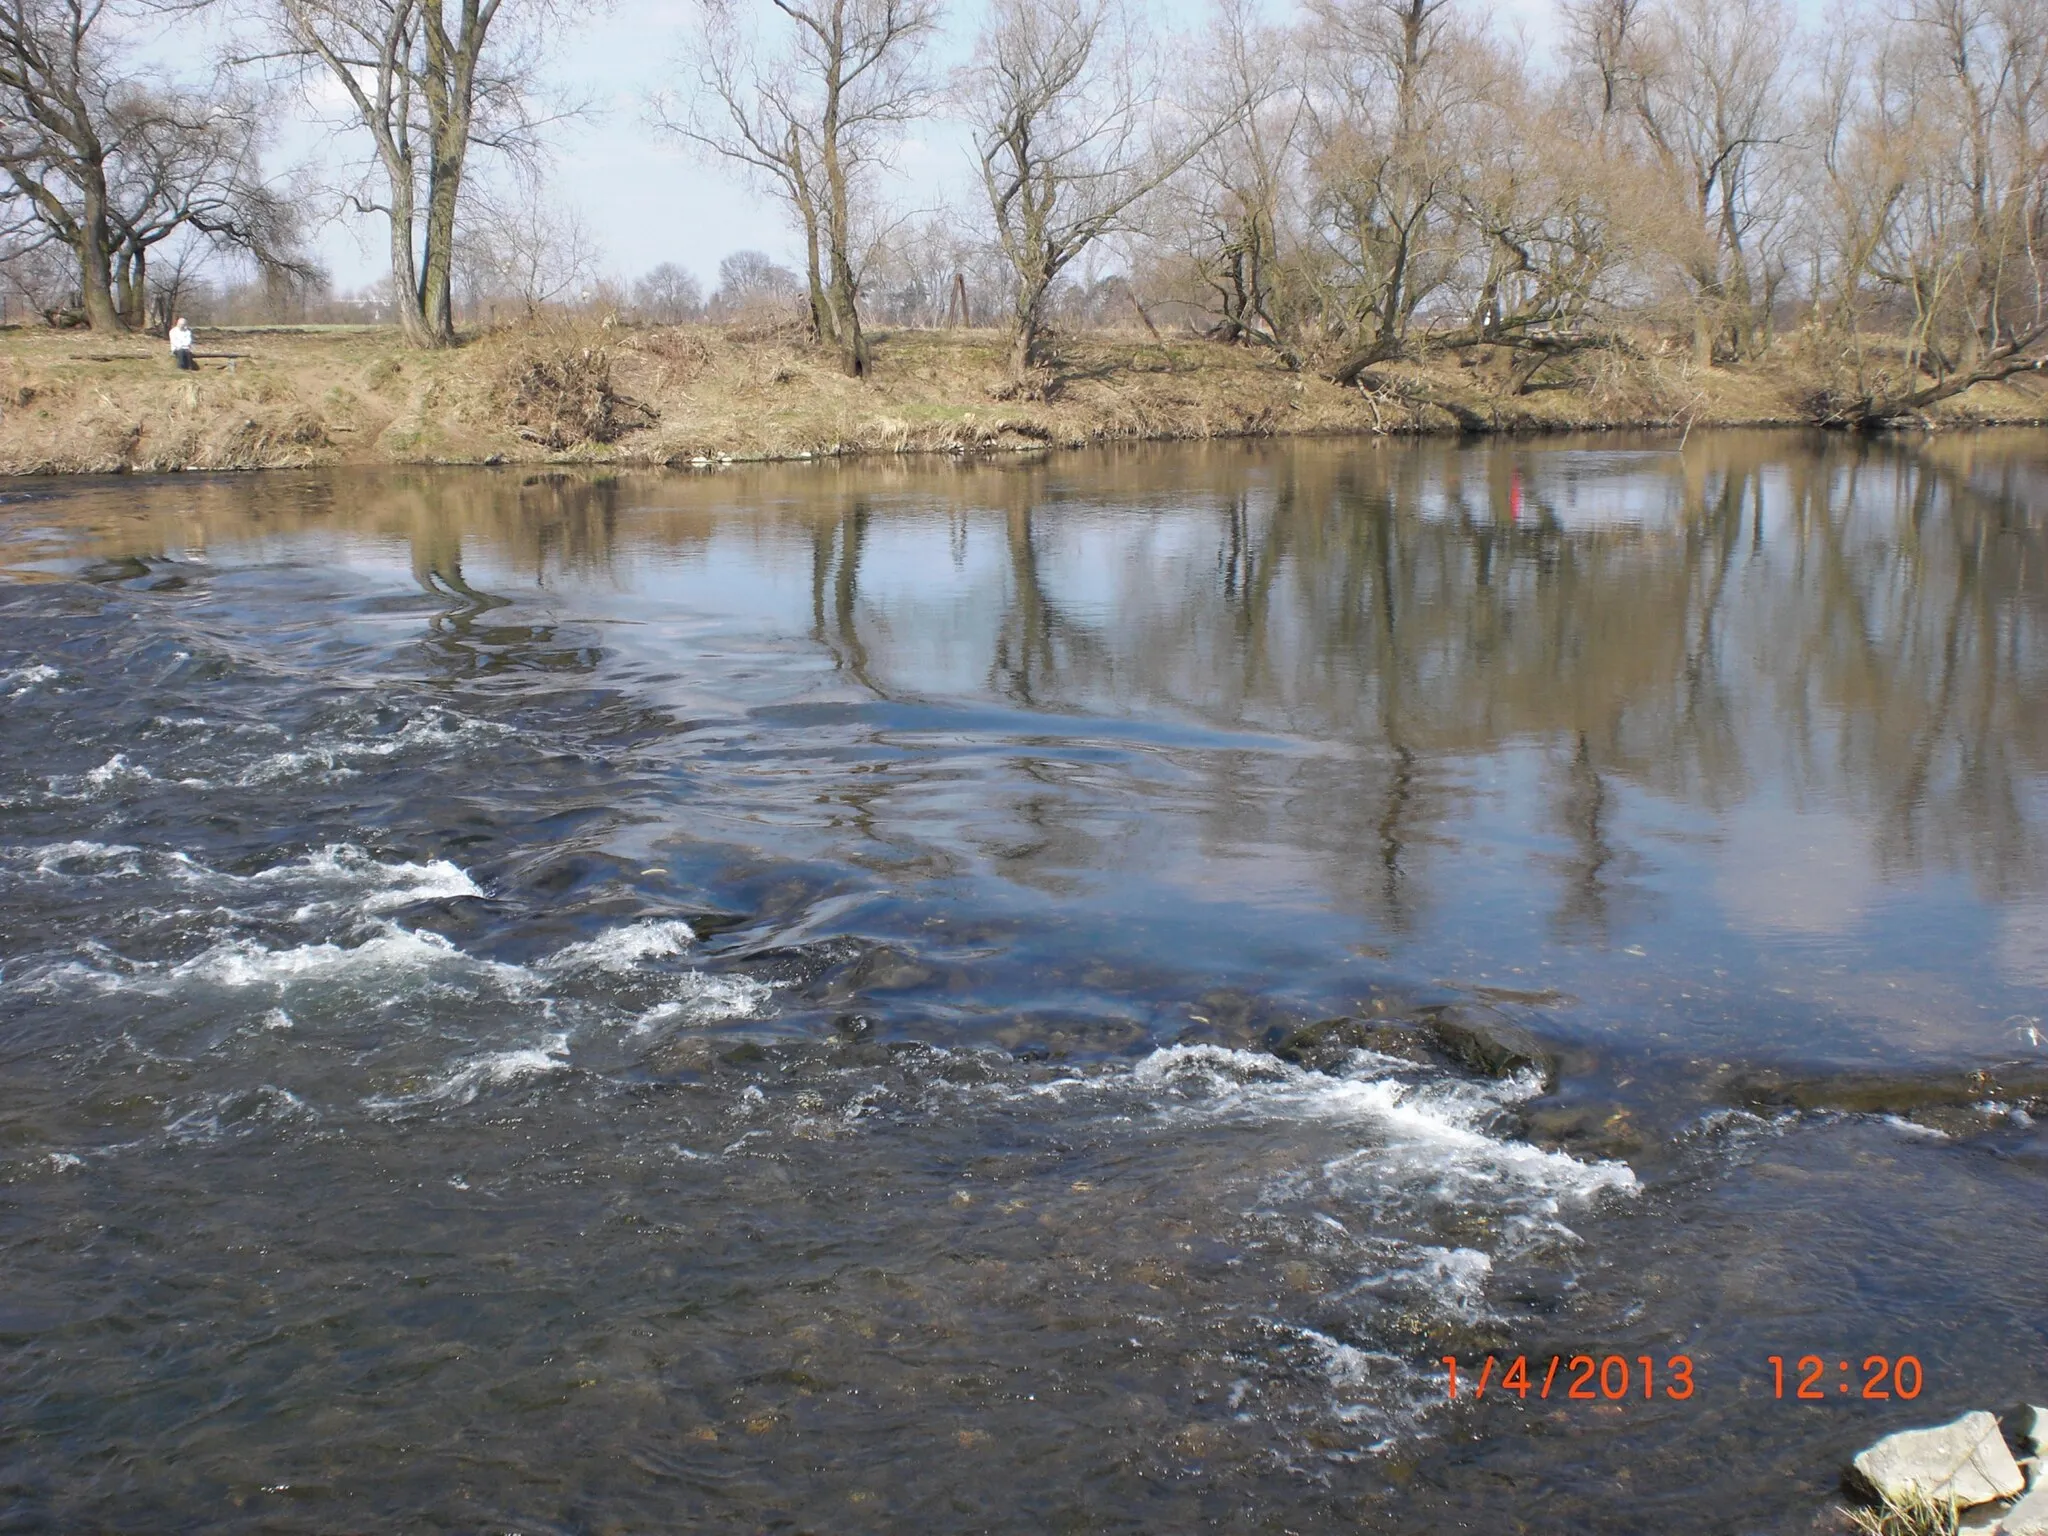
point(1587, 1378)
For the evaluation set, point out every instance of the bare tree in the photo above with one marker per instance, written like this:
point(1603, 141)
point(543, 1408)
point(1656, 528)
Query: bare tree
point(1071, 135)
point(815, 120)
point(191, 167)
point(1932, 135)
point(1538, 236)
point(752, 286)
point(1704, 84)
point(668, 295)
point(102, 162)
point(1234, 212)
point(1604, 39)
point(428, 81)
point(1386, 162)
point(55, 84)
point(525, 247)
point(43, 276)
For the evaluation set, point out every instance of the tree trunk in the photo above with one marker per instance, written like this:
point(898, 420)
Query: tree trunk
point(95, 270)
point(844, 291)
point(822, 327)
point(1348, 371)
point(437, 299)
point(405, 280)
point(1027, 342)
point(853, 341)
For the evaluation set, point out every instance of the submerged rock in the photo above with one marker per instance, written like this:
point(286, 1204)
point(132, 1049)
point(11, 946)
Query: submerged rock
point(1967, 1461)
point(1594, 1129)
point(1490, 1043)
point(1328, 1044)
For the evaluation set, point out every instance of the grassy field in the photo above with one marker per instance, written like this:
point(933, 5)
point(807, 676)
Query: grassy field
point(75, 402)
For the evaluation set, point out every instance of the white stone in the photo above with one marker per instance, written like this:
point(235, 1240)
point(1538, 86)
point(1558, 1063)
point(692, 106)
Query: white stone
point(1966, 1461)
point(2029, 1517)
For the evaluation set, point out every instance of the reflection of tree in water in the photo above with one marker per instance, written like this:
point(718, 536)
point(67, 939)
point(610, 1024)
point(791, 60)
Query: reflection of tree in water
point(547, 522)
point(835, 567)
point(1860, 623)
point(1035, 639)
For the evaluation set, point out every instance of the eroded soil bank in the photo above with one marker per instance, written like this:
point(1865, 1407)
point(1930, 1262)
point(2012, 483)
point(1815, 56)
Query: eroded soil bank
point(75, 402)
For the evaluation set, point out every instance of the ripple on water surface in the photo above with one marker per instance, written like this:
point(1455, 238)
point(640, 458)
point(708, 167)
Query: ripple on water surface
point(735, 1003)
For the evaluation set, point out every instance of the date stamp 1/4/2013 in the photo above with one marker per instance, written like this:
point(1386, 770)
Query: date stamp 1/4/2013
point(1622, 1378)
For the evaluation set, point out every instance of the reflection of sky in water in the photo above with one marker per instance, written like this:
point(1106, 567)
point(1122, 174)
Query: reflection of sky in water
point(2023, 945)
point(1681, 734)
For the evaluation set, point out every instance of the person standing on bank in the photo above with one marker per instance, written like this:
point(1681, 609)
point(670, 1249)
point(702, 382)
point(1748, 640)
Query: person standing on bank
point(181, 344)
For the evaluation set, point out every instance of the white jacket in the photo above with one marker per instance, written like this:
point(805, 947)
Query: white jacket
point(181, 338)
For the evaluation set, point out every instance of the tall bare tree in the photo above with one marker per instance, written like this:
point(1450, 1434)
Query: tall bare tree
point(55, 85)
point(107, 164)
point(815, 119)
point(1235, 211)
point(1704, 83)
point(1072, 132)
point(1385, 162)
point(428, 81)
point(1933, 140)
point(190, 167)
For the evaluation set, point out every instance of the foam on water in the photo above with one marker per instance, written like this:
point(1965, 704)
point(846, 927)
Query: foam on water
point(20, 680)
point(395, 951)
point(115, 770)
point(338, 866)
point(98, 858)
point(1393, 1159)
point(237, 1112)
point(472, 1077)
point(1432, 1132)
point(619, 951)
point(333, 757)
point(701, 999)
point(1384, 1394)
point(390, 886)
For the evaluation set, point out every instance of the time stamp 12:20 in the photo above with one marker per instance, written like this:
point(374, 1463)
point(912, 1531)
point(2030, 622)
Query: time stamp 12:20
point(1619, 1378)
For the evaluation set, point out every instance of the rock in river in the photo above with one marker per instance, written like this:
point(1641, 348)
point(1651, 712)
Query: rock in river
point(1491, 1043)
point(2028, 1429)
point(1966, 1461)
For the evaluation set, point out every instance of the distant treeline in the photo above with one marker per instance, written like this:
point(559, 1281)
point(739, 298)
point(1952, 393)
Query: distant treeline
point(1362, 182)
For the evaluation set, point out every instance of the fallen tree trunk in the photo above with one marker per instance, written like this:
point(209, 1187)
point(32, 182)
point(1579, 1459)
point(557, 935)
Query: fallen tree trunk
point(1870, 413)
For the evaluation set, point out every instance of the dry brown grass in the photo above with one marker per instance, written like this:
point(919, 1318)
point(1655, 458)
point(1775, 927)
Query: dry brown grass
point(1916, 1515)
point(74, 402)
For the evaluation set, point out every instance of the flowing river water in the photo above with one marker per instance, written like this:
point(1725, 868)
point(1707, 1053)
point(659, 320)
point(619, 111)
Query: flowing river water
point(796, 999)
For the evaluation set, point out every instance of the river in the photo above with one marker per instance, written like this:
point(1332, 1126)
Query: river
point(795, 998)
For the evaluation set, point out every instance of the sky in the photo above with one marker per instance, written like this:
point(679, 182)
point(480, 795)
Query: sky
point(647, 198)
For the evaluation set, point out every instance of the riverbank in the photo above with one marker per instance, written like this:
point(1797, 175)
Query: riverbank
point(72, 402)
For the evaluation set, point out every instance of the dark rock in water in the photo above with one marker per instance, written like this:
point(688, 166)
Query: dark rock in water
point(1922, 1098)
point(1491, 1043)
point(1598, 1130)
point(881, 969)
point(1328, 1043)
point(2027, 1427)
point(1236, 1020)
